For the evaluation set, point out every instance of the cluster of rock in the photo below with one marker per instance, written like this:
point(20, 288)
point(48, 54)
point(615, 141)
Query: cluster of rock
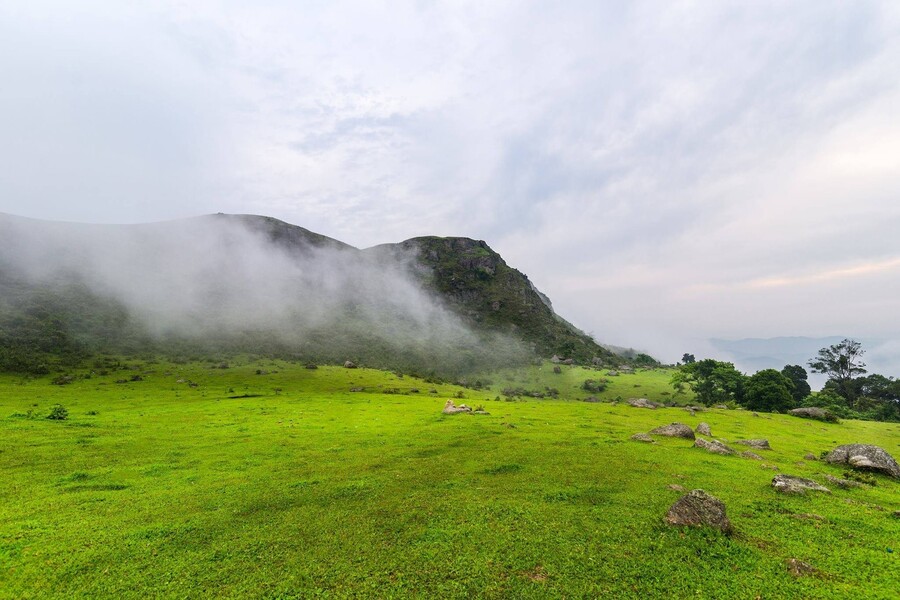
point(642, 403)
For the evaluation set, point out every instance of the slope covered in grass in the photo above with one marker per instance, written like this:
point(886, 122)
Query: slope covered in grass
point(287, 484)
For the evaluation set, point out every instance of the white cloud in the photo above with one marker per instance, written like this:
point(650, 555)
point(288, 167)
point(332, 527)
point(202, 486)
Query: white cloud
point(624, 155)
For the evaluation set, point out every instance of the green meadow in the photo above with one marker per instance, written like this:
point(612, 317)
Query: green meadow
point(269, 480)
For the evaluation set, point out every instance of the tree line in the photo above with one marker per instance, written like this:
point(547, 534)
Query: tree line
point(849, 392)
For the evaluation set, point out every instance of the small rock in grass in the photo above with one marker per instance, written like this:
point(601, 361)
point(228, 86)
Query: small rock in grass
point(808, 517)
point(703, 429)
point(791, 484)
point(770, 467)
point(810, 456)
point(451, 409)
point(592, 399)
point(896, 514)
point(642, 403)
point(759, 444)
point(798, 568)
point(714, 446)
point(699, 508)
point(675, 430)
point(751, 455)
point(675, 487)
point(843, 483)
point(721, 406)
point(643, 437)
point(557, 370)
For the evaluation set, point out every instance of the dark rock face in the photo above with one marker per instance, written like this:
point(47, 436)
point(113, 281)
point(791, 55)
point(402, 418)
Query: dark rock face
point(713, 446)
point(865, 456)
point(819, 414)
point(642, 403)
point(757, 444)
point(697, 508)
point(675, 430)
point(790, 484)
point(703, 429)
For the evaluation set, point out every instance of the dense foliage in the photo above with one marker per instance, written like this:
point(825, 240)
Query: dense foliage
point(846, 394)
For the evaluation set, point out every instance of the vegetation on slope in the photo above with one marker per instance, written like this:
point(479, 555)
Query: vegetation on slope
point(267, 479)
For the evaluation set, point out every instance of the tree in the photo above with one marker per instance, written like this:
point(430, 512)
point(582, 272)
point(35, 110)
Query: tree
point(688, 358)
point(769, 391)
point(841, 362)
point(713, 382)
point(798, 377)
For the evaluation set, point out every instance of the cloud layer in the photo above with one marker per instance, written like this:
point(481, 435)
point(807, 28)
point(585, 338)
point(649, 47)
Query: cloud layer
point(664, 170)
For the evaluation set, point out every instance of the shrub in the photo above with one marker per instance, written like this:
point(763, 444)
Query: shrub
point(58, 413)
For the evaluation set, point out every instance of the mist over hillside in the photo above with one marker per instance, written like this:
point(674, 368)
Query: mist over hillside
point(257, 284)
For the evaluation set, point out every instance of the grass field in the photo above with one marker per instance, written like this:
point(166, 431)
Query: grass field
point(286, 484)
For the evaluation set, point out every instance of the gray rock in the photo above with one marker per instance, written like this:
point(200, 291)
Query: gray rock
point(557, 370)
point(751, 455)
point(713, 446)
point(643, 437)
point(675, 430)
point(865, 456)
point(790, 484)
point(592, 399)
point(721, 406)
point(811, 412)
point(642, 403)
point(810, 456)
point(759, 444)
point(451, 409)
point(612, 373)
point(697, 508)
point(675, 487)
point(703, 429)
point(349, 364)
point(555, 359)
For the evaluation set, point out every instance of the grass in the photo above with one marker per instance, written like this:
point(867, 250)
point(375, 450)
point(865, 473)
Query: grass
point(289, 485)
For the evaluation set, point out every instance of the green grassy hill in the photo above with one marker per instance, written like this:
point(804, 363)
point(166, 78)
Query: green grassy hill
point(268, 480)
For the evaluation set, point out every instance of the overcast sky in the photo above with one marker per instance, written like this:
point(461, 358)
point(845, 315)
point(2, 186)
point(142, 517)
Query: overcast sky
point(666, 171)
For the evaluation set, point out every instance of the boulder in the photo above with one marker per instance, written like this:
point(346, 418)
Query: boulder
point(721, 406)
point(349, 364)
point(790, 484)
point(751, 455)
point(642, 403)
point(865, 456)
point(697, 508)
point(592, 399)
point(642, 437)
point(555, 359)
point(713, 446)
point(612, 373)
point(759, 444)
point(811, 412)
point(452, 409)
point(557, 370)
point(703, 429)
point(675, 430)
point(810, 456)
point(569, 361)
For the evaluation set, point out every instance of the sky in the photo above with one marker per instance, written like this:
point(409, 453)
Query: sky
point(666, 172)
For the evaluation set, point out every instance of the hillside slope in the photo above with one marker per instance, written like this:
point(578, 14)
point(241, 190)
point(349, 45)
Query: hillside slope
point(245, 283)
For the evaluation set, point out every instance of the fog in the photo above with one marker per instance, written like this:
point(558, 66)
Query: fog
point(224, 276)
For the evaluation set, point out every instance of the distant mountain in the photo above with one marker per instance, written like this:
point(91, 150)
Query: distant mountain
point(244, 283)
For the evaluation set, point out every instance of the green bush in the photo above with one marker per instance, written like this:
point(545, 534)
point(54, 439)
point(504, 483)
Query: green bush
point(58, 413)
